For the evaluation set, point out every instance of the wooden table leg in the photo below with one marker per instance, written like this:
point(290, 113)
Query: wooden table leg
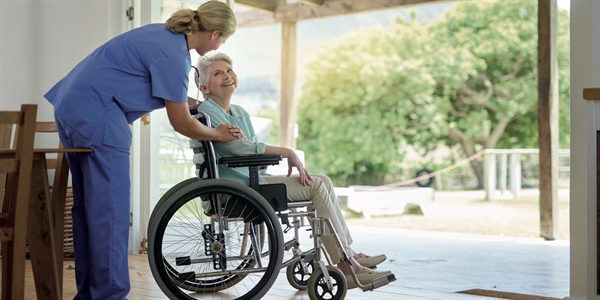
point(40, 235)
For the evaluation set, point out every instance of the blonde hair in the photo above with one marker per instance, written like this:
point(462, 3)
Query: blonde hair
point(204, 62)
point(212, 15)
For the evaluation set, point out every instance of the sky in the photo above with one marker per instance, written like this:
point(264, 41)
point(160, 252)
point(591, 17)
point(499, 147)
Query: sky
point(564, 4)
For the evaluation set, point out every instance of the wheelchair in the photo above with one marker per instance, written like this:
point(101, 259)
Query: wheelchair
point(210, 238)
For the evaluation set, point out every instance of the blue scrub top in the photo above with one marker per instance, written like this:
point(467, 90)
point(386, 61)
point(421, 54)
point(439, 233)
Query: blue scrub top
point(133, 72)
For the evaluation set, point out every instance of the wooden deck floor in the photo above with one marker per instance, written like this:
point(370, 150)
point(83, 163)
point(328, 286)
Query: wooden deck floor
point(427, 265)
point(143, 287)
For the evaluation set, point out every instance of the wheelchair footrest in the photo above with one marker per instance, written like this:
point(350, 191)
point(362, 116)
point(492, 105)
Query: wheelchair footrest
point(379, 282)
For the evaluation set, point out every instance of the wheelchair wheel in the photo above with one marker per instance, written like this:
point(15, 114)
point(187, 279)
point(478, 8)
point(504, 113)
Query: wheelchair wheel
point(237, 252)
point(318, 289)
point(297, 276)
point(170, 193)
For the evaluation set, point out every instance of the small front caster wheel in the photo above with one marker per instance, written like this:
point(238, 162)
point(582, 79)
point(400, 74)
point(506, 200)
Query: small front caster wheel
point(297, 276)
point(318, 288)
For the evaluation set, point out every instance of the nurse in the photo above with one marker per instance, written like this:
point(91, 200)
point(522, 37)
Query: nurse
point(129, 76)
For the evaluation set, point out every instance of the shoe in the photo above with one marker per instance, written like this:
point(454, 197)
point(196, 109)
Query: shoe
point(366, 277)
point(370, 261)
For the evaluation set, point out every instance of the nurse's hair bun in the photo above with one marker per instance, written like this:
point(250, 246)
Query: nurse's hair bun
point(212, 15)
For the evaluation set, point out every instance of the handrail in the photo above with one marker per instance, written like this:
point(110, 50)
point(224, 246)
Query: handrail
point(591, 94)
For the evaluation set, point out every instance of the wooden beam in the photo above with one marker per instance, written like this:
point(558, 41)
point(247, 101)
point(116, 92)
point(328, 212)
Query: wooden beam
point(548, 117)
point(314, 2)
point(295, 12)
point(299, 11)
point(268, 5)
point(254, 18)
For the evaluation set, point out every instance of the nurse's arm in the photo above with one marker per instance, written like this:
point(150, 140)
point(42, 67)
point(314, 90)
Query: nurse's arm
point(184, 123)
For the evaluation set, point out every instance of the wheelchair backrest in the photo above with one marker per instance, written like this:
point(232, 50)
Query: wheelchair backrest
point(204, 152)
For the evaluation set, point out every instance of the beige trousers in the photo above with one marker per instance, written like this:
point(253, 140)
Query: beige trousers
point(324, 200)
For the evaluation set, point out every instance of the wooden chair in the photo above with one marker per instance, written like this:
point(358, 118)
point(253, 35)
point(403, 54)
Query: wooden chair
point(17, 165)
point(55, 196)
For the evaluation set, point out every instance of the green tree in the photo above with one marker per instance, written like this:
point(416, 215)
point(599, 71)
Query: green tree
point(495, 102)
point(366, 97)
point(469, 78)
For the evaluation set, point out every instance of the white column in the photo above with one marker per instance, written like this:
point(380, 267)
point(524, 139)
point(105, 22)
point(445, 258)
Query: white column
point(515, 174)
point(585, 73)
point(502, 172)
point(148, 142)
point(489, 174)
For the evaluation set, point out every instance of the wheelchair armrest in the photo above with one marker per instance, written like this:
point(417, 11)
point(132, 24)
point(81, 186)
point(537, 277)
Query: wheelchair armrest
point(250, 161)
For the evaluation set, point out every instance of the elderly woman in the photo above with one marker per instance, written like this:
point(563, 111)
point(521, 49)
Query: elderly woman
point(218, 82)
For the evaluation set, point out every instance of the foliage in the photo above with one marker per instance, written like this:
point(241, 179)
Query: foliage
point(500, 98)
point(361, 105)
point(468, 78)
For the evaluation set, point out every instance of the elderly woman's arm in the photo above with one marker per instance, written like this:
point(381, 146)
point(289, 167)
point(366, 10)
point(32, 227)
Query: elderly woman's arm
point(239, 147)
point(244, 147)
point(293, 162)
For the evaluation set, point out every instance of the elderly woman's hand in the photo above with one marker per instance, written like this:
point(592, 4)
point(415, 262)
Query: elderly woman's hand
point(236, 131)
point(294, 162)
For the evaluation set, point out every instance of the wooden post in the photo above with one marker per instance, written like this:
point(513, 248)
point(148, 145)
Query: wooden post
point(548, 117)
point(288, 78)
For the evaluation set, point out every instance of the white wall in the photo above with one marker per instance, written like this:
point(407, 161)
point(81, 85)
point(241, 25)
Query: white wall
point(42, 40)
point(585, 73)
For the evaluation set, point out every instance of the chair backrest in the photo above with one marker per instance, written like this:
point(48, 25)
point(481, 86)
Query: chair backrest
point(16, 164)
point(41, 127)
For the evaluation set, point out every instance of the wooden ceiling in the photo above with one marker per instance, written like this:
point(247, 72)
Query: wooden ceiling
point(266, 12)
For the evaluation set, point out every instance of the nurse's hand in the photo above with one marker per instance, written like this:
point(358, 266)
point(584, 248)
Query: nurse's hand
point(228, 133)
point(184, 123)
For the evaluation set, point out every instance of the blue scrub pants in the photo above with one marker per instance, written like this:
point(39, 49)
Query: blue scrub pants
point(101, 208)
